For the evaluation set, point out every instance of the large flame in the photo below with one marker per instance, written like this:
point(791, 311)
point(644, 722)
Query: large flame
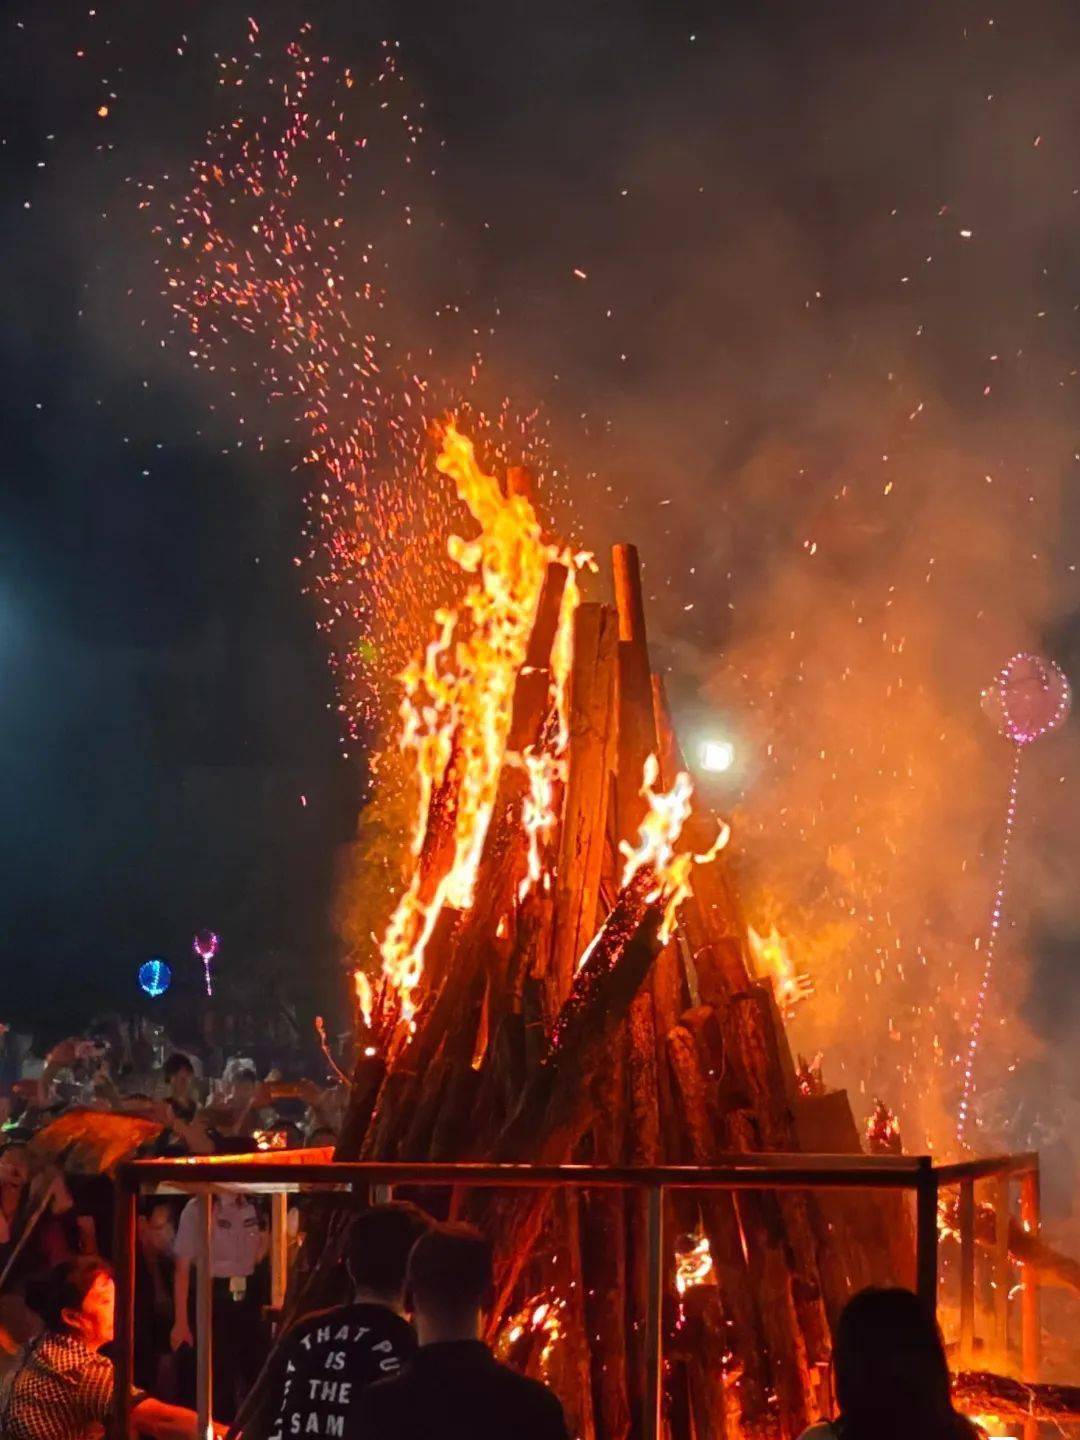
point(657, 834)
point(457, 704)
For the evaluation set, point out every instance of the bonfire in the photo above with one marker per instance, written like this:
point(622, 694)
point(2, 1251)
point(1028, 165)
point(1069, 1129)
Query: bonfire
point(566, 976)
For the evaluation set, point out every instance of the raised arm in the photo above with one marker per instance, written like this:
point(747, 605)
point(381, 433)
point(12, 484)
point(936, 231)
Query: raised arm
point(181, 1330)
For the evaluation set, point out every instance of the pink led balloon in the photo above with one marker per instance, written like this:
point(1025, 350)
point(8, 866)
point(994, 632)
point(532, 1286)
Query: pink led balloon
point(1029, 698)
point(205, 945)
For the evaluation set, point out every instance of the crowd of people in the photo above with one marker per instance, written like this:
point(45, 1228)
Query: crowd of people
point(56, 1189)
point(399, 1358)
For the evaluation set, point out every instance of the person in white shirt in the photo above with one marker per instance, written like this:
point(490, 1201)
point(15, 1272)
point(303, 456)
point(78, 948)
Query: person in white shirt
point(236, 1246)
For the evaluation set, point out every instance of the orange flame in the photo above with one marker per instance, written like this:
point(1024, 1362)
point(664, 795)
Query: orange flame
point(365, 997)
point(693, 1265)
point(772, 958)
point(545, 771)
point(657, 834)
point(543, 1316)
point(457, 702)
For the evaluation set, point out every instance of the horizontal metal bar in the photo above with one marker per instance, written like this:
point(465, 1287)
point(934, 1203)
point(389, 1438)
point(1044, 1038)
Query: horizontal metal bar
point(988, 1166)
point(735, 1172)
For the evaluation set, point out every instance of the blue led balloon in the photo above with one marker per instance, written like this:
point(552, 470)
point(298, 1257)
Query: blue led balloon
point(155, 977)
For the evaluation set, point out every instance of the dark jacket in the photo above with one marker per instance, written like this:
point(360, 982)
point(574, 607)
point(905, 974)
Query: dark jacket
point(459, 1391)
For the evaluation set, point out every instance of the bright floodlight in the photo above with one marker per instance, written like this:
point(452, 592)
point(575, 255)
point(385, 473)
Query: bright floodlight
point(717, 756)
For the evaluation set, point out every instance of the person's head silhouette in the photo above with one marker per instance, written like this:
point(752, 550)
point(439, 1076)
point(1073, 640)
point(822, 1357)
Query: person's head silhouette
point(892, 1377)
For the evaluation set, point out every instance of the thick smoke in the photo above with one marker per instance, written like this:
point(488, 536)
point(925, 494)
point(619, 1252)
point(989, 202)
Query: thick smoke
point(835, 400)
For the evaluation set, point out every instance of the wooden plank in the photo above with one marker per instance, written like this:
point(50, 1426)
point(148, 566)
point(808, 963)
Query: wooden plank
point(577, 1394)
point(534, 679)
point(637, 726)
point(585, 806)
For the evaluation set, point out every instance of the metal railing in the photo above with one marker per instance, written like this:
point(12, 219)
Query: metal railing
point(200, 1176)
point(1001, 1170)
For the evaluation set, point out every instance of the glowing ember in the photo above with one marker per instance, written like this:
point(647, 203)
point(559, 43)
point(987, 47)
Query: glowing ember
point(808, 1075)
point(539, 1319)
point(883, 1132)
point(693, 1267)
point(693, 1263)
point(773, 961)
point(992, 1426)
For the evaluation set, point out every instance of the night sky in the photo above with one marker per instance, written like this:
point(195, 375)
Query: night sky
point(753, 192)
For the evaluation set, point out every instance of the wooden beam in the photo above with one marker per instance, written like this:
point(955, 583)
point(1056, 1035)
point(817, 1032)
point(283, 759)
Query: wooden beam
point(637, 727)
point(592, 755)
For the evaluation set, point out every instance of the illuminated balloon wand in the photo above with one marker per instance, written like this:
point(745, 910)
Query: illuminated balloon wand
point(205, 945)
point(1028, 698)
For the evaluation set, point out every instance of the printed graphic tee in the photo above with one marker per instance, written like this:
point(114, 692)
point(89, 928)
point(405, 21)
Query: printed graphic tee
point(327, 1360)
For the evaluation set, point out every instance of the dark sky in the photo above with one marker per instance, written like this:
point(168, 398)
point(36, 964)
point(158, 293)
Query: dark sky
point(756, 193)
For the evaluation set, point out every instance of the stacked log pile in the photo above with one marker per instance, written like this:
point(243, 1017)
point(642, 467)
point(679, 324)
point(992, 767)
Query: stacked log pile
point(646, 1051)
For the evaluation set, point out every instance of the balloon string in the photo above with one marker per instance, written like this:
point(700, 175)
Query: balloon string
point(991, 945)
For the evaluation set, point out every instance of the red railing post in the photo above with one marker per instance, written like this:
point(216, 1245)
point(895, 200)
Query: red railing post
point(204, 1297)
point(1001, 1269)
point(1031, 1333)
point(926, 1232)
point(967, 1272)
point(654, 1320)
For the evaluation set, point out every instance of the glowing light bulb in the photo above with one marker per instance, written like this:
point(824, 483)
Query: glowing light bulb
point(716, 756)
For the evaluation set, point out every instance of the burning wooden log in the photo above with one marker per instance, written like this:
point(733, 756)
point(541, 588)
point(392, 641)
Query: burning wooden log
point(1051, 1266)
point(983, 1393)
point(591, 760)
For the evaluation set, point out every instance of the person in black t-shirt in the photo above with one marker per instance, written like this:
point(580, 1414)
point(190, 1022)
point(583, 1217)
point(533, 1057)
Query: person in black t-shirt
point(328, 1358)
point(453, 1387)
